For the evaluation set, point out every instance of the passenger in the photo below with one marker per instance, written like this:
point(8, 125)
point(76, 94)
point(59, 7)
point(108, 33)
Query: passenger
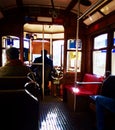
point(102, 103)
point(13, 66)
point(105, 101)
point(48, 67)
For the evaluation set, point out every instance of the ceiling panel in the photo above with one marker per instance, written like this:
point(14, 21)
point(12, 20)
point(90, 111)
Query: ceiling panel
point(91, 19)
point(83, 8)
point(46, 28)
point(47, 3)
point(108, 8)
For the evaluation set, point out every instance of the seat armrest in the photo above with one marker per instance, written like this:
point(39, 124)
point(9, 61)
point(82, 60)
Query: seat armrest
point(85, 83)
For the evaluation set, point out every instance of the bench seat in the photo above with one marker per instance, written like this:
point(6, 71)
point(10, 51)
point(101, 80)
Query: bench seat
point(91, 85)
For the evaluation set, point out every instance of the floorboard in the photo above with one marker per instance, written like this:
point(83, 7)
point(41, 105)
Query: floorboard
point(55, 115)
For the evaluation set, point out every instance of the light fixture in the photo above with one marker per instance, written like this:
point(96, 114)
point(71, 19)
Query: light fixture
point(44, 19)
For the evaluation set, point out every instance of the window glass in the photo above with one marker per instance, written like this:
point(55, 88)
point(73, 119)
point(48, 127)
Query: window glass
point(71, 44)
point(113, 62)
point(16, 43)
point(71, 61)
point(100, 41)
point(99, 62)
point(7, 42)
point(113, 57)
point(99, 54)
point(71, 55)
point(58, 53)
point(114, 39)
point(3, 57)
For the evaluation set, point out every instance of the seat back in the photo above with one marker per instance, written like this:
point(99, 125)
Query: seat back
point(94, 88)
point(18, 109)
point(13, 82)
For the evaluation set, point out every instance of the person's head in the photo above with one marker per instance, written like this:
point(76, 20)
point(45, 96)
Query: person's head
point(107, 73)
point(45, 52)
point(12, 53)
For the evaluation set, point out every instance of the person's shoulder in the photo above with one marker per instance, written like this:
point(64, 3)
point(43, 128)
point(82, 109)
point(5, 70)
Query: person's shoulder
point(37, 58)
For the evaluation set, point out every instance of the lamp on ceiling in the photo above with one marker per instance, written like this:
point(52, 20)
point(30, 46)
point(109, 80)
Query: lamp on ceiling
point(44, 19)
point(85, 2)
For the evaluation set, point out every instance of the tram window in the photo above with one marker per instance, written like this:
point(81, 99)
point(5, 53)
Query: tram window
point(71, 55)
point(3, 57)
point(71, 61)
point(58, 53)
point(100, 41)
point(26, 49)
point(71, 45)
point(99, 54)
point(8, 41)
point(99, 62)
point(16, 43)
point(114, 39)
point(113, 62)
point(113, 57)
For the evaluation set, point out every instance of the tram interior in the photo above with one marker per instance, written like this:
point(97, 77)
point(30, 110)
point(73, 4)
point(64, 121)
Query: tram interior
point(79, 36)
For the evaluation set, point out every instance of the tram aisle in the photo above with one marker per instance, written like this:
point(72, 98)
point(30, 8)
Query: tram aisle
point(54, 115)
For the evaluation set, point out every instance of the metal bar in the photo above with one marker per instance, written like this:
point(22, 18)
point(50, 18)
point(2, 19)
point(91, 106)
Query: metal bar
point(80, 83)
point(77, 37)
point(92, 7)
point(43, 64)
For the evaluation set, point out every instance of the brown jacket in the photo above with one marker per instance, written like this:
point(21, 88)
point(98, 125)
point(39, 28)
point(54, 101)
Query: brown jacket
point(14, 68)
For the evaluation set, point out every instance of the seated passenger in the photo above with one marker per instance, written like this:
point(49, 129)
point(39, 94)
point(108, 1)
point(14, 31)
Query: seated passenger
point(14, 66)
point(102, 103)
point(105, 101)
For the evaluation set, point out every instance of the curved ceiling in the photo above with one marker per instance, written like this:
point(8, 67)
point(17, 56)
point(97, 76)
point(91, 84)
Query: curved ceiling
point(84, 9)
point(67, 5)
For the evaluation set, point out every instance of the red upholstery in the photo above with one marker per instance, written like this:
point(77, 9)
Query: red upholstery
point(88, 85)
point(90, 89)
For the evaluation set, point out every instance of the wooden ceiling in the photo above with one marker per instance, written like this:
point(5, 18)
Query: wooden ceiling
point(80, 8)
point(7, 6)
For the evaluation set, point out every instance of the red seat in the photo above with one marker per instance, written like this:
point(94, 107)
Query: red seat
point(76, 95)
point(89, 86)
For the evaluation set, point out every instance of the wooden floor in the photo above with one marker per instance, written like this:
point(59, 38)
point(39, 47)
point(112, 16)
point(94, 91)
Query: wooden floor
point(55, 115)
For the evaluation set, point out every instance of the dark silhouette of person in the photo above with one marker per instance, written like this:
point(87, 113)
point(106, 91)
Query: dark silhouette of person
point(105, 101)
point(14, 66)
point(48, 67)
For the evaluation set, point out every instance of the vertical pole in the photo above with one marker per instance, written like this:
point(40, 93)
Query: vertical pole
point(76, 63)
point(51, 43)
point(43, 62)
